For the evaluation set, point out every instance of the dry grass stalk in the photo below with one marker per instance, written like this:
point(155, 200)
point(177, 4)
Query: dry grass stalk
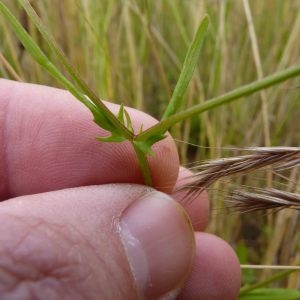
point(279, 158)
point(209, 172)
point(264, 199)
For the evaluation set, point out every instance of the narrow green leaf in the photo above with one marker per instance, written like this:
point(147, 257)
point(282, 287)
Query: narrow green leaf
point(128, 121)
point(188, 68)
point(271, 294)
point(120, 114)
point(124, 117)
point(113, 138)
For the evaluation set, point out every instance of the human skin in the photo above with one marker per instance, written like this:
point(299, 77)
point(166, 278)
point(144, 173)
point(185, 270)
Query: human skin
point(77, 221)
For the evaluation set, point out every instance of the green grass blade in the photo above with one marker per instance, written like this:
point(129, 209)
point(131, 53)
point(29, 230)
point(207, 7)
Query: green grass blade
point(188, 68)
point(238, 93)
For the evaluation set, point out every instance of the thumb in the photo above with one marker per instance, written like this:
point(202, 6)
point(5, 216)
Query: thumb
point(118, 241)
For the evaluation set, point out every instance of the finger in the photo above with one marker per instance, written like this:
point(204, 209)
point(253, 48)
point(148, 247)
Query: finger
point(196, 204)
point(49, 143)
point(216, 272)
point(109, 242)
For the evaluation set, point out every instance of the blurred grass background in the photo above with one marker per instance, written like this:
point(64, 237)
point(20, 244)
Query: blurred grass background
point(131, 52)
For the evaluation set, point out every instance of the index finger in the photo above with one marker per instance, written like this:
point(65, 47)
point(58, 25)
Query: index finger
point(48, 143)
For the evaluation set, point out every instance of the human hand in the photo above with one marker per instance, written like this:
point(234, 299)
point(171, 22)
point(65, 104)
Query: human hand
point(76, 223)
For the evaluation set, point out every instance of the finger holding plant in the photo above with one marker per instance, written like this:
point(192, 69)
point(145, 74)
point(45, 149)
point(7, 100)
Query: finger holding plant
point(119, 125)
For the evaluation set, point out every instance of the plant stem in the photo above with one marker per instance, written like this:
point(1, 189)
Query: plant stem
point(144, 165)
point(245, 90)
point(277, 276)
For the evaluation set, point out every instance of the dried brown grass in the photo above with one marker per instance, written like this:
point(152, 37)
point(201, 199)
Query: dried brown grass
point(274, 158)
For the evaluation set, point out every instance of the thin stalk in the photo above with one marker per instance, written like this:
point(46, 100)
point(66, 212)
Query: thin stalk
point(144, 165)
point(259, 71)
point(272, 267)
point(277, 276)
point(9, 68)
point(148, 29)
point(238, 93)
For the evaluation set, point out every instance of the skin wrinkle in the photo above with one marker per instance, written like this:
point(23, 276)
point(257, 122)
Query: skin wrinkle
point(76, 240)
point(20, 282)
point(57, 230)
point(164, 151)
point(17, 280)
point(42, 276)
point(110, 275)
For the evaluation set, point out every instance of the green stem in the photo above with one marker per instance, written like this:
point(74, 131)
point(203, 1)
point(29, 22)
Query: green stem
point(277, 276)
point(144, 165)
point(245, 90)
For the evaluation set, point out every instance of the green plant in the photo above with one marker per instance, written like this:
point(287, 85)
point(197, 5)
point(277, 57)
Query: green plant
point(119, 126)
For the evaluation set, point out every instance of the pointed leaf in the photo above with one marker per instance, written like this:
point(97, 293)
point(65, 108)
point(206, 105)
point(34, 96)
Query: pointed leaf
point(120, 114)
point(128, 121)
point(112, 138)
point(188, 68)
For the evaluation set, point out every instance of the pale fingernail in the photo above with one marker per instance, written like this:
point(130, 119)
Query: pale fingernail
point(159, 244)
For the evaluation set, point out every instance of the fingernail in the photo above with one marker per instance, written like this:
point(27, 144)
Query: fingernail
point(159, 243)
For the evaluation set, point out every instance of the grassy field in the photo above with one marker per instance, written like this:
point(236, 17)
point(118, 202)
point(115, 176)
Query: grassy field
point(131, 52)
